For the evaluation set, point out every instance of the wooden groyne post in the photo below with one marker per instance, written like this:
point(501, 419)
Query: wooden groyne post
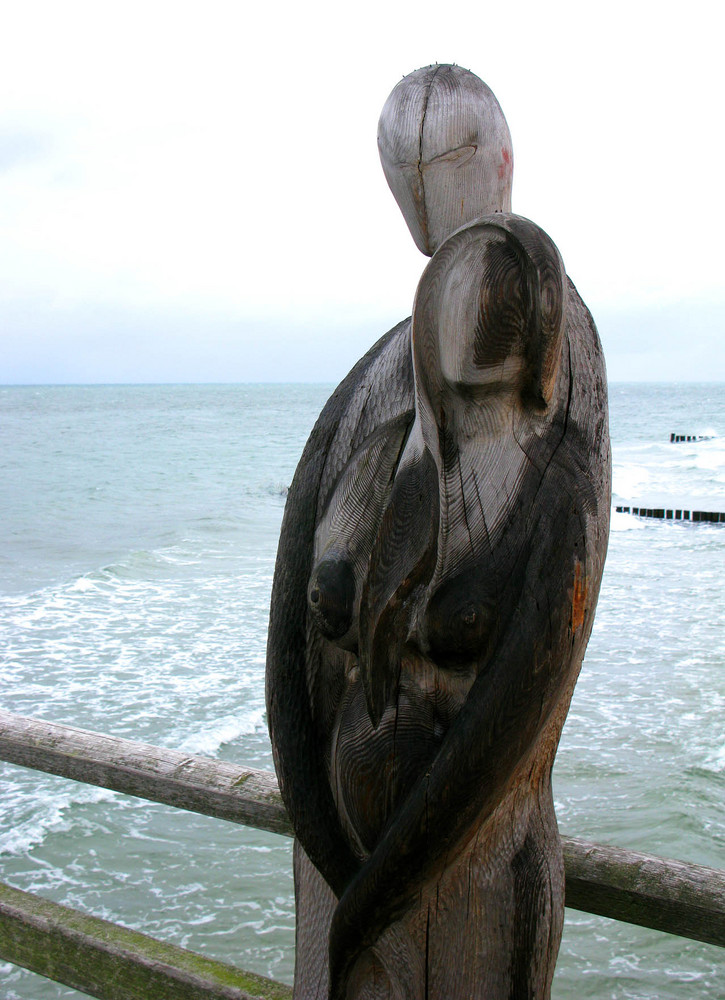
point(675, 514)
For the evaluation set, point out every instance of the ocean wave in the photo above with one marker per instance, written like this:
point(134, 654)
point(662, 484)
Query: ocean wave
point(32, 817)
point(710, 457)
point(630, 480)
point(715, 760)
point(207, 740)
point(625, 522)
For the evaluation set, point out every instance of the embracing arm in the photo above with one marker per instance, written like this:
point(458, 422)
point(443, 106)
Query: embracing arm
point(296, 738)
point(553, 586)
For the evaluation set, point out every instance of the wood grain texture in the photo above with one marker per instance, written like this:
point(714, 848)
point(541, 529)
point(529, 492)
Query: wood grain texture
point(378, 389)
point(446, 152)
point(447, 526)
point(660, 893)
point(435, 723)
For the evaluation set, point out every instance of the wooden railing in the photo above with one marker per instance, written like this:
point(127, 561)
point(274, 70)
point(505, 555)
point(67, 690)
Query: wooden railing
point(107, 961)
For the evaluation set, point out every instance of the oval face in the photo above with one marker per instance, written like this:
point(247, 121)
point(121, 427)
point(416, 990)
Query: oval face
point(446, 153)
point(331, 596)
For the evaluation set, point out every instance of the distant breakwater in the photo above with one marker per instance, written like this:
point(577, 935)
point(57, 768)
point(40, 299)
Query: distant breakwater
point(675, 514)
point(680, 438)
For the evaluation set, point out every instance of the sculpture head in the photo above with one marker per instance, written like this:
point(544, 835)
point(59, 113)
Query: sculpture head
point(446, 152)
point(490, 314)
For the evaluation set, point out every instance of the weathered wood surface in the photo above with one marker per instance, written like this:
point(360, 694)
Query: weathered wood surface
point(446, 151)
point(437, 575)
point(479, 774)
point(111, 962)
point(660, 893)
point(199, 784)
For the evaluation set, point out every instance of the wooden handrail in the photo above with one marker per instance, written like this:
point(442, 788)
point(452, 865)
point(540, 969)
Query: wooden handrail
point(666, 895)
point(198, 784)
point(112, 962)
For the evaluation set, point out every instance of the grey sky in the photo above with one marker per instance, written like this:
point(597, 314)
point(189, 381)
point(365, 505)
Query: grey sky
point(192, 192)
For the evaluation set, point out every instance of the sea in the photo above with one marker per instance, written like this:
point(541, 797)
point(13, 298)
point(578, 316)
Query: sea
point(138, 529)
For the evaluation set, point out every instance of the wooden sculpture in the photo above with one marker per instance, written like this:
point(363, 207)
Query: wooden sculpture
point(437, 575)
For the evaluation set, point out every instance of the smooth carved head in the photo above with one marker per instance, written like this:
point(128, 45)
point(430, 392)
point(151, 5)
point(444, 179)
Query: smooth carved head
point(446, 152)
point(490, 311)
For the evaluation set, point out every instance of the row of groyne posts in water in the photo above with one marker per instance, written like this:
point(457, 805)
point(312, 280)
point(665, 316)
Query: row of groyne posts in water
point(675, 514)
point(678, 513)
point(682, 438)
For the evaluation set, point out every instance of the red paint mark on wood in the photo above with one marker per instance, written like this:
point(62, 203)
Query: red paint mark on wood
point(579, 598)
point(504, 166)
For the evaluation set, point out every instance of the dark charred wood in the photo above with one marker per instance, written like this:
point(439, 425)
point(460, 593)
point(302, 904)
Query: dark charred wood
point(436, 582)
point(425, 783)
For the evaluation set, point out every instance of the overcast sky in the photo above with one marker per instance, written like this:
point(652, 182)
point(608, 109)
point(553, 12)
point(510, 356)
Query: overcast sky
point(192, 191)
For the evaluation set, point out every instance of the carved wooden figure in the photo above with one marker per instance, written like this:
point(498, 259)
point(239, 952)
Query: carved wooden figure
point(438, 571)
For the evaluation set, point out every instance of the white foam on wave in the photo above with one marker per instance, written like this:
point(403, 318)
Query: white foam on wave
point(715, 760)
point(630, 480)
point(84, 584)
point(151, 648)
point(710, 457)
point(625, 522)
point(49, 814)
point(208, 740)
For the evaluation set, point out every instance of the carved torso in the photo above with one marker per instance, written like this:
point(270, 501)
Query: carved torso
point(517, 472)
point(437, 575)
